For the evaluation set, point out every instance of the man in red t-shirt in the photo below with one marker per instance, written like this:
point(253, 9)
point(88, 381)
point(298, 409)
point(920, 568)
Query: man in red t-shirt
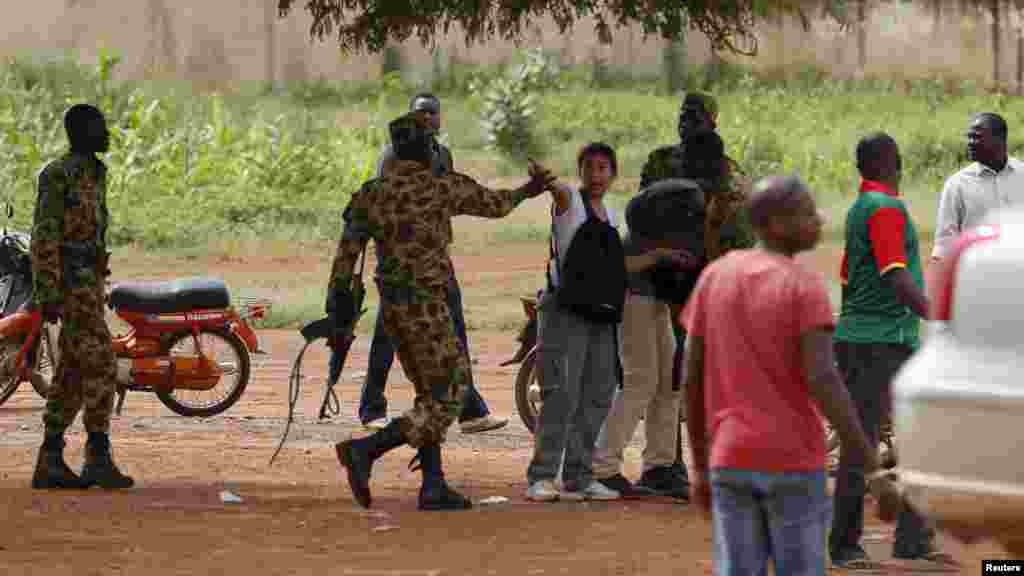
point(760, 372)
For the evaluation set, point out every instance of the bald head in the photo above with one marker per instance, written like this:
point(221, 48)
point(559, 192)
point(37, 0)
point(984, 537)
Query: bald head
point(774, 197)
point(783, 214)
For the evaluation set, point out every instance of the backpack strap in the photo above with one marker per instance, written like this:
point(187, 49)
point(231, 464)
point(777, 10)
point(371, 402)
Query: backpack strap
point(553, 254)
point(552, 250)
point(587, 205)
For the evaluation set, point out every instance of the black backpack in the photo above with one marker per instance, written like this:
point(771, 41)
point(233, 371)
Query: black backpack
point(669, 213)
point(592, 282)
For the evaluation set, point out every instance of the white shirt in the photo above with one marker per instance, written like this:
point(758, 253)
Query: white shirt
point(565, 225)
point(972, 193)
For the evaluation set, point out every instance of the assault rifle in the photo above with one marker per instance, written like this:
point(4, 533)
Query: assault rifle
point(340, 342)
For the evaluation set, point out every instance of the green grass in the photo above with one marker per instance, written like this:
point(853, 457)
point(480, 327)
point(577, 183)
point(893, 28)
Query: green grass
point(195, 173)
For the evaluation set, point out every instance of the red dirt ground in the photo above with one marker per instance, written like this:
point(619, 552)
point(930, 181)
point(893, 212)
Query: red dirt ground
point(298, 516)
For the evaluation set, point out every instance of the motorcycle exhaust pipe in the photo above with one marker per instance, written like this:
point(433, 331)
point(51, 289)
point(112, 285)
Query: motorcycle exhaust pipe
point(168, 373)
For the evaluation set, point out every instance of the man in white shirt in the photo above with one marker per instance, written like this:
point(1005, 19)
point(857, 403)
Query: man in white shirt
point(992, 181)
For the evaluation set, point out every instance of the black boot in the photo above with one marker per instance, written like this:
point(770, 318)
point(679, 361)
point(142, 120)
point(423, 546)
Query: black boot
point(51, 470)
point(435, 493)
point(358, 455)
point(99, 468)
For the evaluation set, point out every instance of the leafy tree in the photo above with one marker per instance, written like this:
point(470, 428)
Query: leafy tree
point(371, 24)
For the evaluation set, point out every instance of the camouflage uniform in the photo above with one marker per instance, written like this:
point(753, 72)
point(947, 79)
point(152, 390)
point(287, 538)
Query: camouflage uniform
point(69, 263)
point(408, 215)
point(726, 227)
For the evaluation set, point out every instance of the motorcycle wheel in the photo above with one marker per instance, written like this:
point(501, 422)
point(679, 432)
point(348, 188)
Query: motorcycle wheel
point(180, 402)
point(529, 411)
point(8, 354)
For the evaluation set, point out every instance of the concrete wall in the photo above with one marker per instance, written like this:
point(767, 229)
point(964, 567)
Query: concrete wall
point(222, 41)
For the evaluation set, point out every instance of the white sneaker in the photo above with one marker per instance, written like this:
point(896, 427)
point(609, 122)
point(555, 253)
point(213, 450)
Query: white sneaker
point(377, 424)
point(598, 491)
point(594, 491)
point(542, 491)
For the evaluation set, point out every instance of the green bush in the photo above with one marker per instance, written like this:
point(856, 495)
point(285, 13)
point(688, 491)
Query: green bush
point(183, 170)
point(189, 167)
point(509, 105)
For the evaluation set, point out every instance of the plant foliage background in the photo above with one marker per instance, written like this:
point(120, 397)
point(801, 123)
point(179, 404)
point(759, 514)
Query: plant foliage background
point(190, 167)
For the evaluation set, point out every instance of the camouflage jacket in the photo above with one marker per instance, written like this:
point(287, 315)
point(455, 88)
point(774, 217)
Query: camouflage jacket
point(69, 231)
point(440, 163)
point(408, 213)
point(727, 226)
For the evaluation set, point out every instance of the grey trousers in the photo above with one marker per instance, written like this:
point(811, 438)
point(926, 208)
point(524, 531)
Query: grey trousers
point(578, 376)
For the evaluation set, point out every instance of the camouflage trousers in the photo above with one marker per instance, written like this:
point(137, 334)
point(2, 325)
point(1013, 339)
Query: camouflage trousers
point(86, 372)
point(434, 361)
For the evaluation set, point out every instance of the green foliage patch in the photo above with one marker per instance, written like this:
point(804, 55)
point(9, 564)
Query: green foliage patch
point(188, 167)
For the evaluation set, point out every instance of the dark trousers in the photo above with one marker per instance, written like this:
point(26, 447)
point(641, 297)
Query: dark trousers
point(868, 370)
point(373, 404)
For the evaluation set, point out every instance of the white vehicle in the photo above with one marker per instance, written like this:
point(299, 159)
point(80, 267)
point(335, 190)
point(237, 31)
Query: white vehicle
point(958, 403)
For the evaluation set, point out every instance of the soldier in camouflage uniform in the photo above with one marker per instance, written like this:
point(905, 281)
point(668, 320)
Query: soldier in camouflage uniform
point(727, 224)
point(69, 264)
point(407, 213)
point(476, 416)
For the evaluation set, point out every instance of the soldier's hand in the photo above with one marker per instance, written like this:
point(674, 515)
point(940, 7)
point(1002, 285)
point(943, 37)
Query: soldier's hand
point(541, 179)
point(678, 257)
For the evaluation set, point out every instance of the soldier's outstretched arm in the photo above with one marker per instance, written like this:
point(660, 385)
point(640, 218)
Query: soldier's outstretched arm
point(340, 300)
point(470, 198)
point(48, 236)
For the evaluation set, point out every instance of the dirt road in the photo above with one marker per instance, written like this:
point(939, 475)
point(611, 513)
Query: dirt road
point(298, 517)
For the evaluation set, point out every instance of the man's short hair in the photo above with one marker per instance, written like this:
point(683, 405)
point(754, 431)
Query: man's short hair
point(775, 196)
point(78, 117)
point(410, 138)
point(869, 149)
point(701, 101)
point(704, 155)
point(425, 101)
point(995, 123)
point(598, 149)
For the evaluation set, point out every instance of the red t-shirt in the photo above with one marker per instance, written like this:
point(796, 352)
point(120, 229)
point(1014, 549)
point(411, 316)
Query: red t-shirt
point(750, 307)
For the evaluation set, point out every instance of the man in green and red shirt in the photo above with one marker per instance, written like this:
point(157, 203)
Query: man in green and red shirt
point(883, 301)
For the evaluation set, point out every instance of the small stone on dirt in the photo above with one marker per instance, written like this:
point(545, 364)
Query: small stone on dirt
point(229, 497)
point(384, 528)
point(494, 500)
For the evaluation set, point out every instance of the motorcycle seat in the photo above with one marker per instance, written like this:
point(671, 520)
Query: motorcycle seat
point(170, 297)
